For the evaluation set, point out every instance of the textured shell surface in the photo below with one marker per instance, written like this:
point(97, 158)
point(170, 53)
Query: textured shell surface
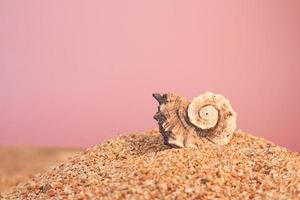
point(207, 118)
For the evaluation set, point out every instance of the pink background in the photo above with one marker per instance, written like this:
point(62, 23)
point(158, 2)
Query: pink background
point(75, 73)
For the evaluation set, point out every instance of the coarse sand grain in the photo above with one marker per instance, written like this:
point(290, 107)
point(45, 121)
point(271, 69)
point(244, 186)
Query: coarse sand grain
point(140, 166)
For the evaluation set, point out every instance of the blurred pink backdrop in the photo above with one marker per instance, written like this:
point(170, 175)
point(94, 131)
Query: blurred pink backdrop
point(75, 73)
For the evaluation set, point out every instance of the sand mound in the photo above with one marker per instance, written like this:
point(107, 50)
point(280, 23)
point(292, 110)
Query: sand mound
point(139, 166)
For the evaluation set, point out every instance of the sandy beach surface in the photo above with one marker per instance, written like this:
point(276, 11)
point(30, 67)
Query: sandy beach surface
point(140, 166)
point(23, 162)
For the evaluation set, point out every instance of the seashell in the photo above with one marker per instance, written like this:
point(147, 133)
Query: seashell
point(208, 117)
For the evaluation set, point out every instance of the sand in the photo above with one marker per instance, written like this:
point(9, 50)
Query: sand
point(20, 163)
point(140, 166)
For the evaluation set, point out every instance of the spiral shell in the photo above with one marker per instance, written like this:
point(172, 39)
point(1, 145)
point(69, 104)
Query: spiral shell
point(208, 117)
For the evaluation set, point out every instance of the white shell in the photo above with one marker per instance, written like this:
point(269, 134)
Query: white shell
point(184, 124)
